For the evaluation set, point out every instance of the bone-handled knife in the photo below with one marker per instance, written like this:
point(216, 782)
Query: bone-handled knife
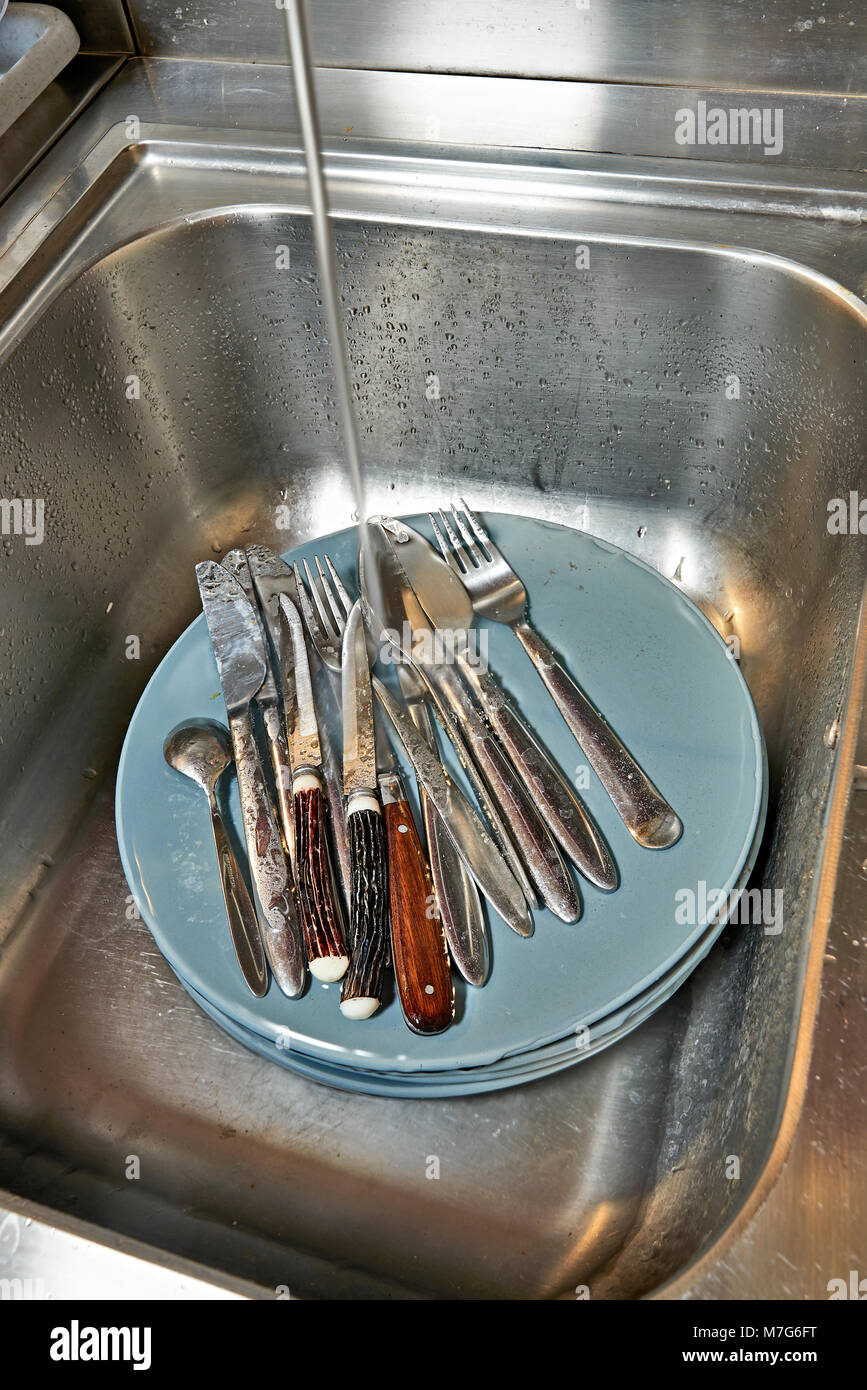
point(239, 652)
point(268, 701)
point(456, 893)
point(321, 914)
point(271, 578)
point(361, 995)
point(419, 950)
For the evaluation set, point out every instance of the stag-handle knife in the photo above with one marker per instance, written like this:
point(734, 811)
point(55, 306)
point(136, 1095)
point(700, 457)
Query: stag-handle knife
point(321, 914)
point(361, 995)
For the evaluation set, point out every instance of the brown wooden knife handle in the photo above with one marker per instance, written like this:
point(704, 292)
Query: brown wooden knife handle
point(369, 906)
point(418, 943)
point(321, 915)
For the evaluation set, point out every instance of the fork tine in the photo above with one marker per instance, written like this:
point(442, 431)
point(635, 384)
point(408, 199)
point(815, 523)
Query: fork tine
point(337, 611)
point(478, 557)
point(310, 620)
point(443, 544)
point(455, 542)
point(481, 533)
point(324, 616)
point(338, 584)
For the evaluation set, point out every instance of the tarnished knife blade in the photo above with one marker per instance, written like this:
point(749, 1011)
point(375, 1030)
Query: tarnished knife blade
point(271, 577)
point(359, 751)
point(236, 636)
point(301, 724)
point(235, 561)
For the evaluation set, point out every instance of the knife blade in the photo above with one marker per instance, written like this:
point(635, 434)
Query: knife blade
point(450, 609)
point(361, 995)
point(321, 917)
point(537, 847)
point(240, 657)
point(272, 577)
point(235, 561)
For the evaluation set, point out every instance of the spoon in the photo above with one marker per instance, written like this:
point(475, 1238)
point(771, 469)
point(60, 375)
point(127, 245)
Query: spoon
point(202, 751)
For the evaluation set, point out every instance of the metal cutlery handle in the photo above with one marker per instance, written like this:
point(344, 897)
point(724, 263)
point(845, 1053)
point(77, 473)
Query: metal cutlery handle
point(561, 810)
point(243, 922)
point(267, 861)
point(361, 994)
point(540, 853)
point(642, 808)
point(282, 774)
point(418, 945)
point(477, 849)
point(321, 916)
point(458, 898)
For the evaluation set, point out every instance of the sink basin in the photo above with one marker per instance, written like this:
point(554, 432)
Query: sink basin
point(584, 340)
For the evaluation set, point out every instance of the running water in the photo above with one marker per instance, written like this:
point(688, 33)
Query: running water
point(302, 71)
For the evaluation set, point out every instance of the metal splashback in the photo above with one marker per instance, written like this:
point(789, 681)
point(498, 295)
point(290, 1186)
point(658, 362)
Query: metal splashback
point(793, 45)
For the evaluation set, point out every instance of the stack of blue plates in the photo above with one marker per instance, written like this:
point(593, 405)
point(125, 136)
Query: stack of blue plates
point(666, 682)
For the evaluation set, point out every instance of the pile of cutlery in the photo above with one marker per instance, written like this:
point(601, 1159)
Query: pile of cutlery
point(345, 884)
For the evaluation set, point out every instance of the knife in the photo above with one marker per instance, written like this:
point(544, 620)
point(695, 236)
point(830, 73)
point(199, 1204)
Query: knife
point(321, 915)
point(537, 848)
point(450, 609)
point(271, 578)
point(361, 995)
point(464, 828)
point(456, 893)
point(269, 703)
point(419, 950)
point(516, 915)
point(240, 656)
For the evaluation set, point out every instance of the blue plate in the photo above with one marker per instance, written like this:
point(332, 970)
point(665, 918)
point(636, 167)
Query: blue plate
point(510, 1071)
point(665, 680)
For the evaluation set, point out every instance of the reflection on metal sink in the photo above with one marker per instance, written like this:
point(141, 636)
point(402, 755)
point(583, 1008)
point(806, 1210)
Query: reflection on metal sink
point(603, 360)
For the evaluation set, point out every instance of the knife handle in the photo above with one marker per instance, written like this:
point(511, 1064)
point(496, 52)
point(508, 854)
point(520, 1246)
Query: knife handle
point(418, 943)
point(321, 917)
point(243, 922)
point(570, 824)
point(267, 861)
point(539, 852)
point(361, 995)
point(456, 893)
point(282, 776)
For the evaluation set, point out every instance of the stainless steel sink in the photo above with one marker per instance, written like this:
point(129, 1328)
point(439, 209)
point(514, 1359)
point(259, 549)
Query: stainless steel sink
point(688, 386)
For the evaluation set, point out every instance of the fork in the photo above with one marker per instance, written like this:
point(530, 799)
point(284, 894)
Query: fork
point(325, 606)
point(497, 593)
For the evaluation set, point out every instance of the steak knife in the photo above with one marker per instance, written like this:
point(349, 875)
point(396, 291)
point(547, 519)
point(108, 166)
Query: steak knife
point(239, 652)
point(321, 916)
point(361, 995)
